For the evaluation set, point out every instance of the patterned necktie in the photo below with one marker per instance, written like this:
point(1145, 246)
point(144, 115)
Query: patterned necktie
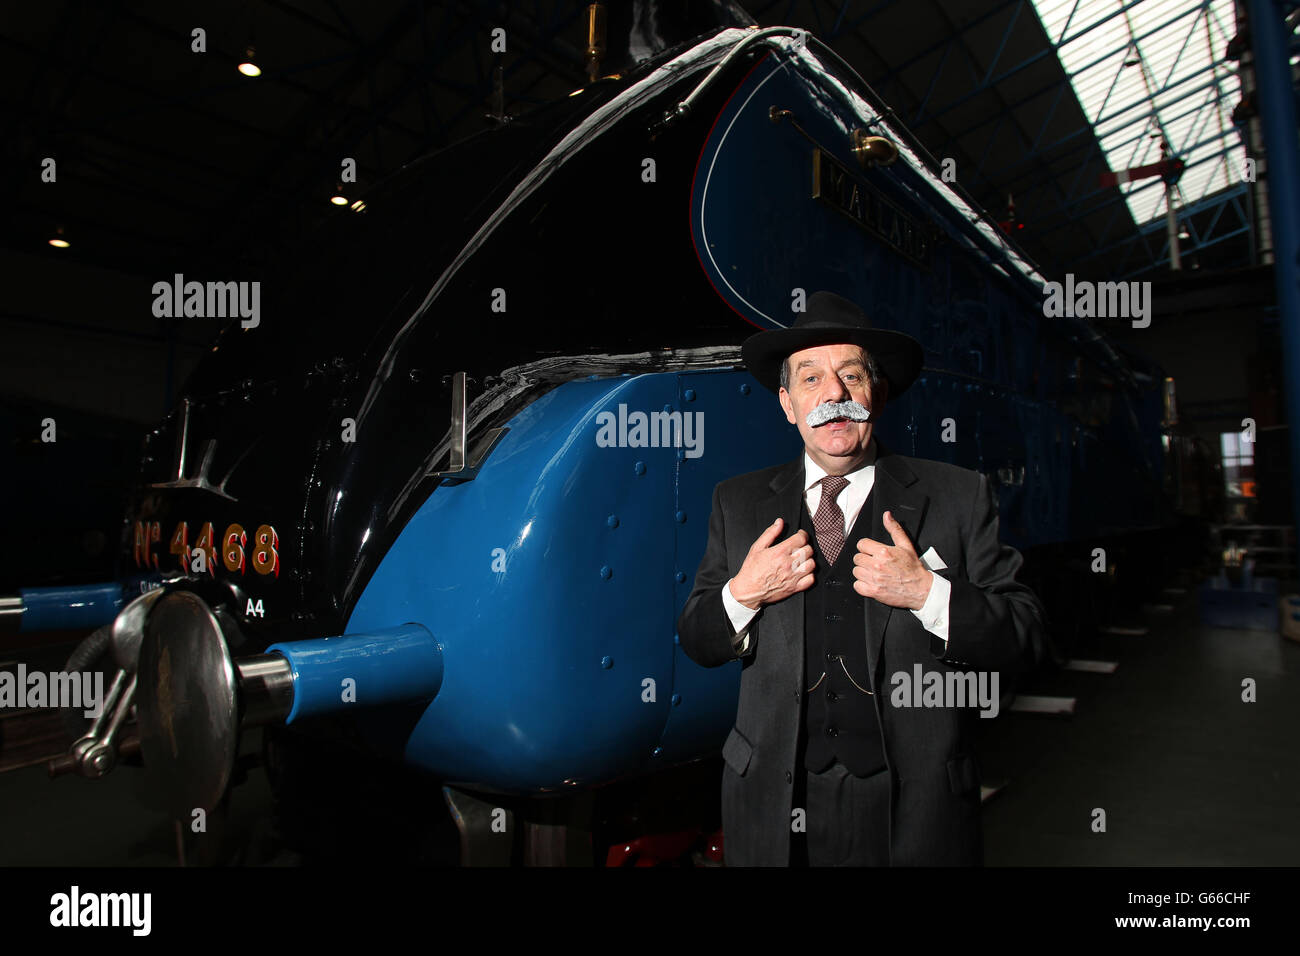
point(829, 520)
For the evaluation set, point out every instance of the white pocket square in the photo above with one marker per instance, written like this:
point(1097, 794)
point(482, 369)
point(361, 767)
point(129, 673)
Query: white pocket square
point(932, 560)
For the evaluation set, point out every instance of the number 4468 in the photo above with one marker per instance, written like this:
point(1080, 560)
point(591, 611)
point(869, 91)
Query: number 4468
point(203, 556)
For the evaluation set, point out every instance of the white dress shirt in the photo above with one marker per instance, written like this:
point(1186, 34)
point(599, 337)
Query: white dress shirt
point(933, 615)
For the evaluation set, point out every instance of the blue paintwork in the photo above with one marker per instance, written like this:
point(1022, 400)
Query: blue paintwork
point(1278, 115)
point(391, 666)
point(739, 207)
point(70, 606)
point(530, 593)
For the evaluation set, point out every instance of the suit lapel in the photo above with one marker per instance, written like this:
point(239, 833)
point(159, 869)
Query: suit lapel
point(785, 617)
point(897, 491)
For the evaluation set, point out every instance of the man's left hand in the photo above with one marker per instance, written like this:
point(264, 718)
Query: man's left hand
point(893, 575)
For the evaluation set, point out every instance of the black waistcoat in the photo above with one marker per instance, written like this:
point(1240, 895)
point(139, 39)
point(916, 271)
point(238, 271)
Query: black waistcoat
point(839, 719)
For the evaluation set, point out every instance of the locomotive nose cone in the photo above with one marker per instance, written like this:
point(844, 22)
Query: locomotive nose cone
point(186, 705)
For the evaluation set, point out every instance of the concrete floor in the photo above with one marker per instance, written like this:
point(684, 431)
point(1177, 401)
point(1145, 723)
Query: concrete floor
point(1187, 773)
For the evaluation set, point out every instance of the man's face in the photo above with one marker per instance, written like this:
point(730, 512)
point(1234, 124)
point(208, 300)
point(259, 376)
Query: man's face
point(830, 373)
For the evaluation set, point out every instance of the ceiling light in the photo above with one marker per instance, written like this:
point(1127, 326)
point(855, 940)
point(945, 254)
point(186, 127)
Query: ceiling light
point(339, 200)
point(247, 66)
point(58, 242)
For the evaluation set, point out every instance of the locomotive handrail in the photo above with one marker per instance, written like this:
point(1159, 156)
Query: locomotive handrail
point(683, 108)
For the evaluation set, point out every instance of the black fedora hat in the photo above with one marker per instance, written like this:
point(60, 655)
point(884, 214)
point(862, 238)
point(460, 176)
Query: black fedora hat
point(833, 320)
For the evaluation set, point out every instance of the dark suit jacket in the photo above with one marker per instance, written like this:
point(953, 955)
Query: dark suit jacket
point(995, 624)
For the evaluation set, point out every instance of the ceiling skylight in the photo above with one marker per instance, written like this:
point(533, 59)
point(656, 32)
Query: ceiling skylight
point(1148, 71)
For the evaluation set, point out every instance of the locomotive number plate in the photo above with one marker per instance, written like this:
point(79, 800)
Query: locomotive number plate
point(235, 554)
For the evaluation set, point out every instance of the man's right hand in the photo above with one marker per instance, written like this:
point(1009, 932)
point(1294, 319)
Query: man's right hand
point(772, 572)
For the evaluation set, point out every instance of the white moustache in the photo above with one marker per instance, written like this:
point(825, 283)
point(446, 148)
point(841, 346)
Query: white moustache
point(829, 411)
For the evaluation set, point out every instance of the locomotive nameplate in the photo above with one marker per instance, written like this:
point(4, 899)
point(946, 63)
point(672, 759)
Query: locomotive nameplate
point(836, 186)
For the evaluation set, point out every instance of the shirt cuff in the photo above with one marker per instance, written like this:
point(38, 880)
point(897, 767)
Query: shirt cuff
point(740, 617)
point(933, 614)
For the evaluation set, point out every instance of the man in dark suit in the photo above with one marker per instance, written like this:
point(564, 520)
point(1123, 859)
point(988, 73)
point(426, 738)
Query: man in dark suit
point(893, 573)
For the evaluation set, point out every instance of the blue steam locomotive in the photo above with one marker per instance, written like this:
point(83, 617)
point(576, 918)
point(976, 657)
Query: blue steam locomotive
point(441, 505)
